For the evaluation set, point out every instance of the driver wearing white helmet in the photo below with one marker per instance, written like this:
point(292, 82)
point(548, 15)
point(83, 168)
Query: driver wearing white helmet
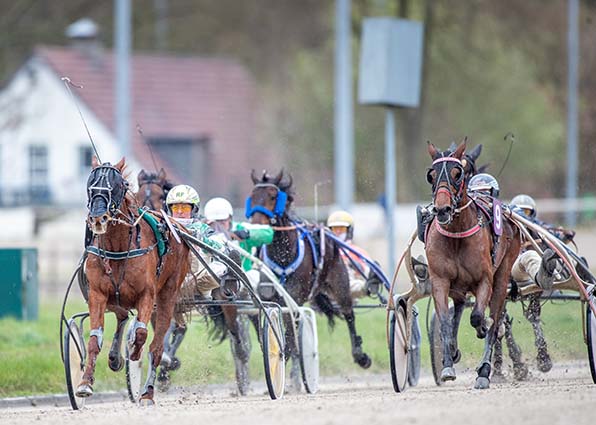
point(219, 215)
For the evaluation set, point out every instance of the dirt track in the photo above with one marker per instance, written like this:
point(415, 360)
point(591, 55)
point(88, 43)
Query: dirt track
point(566, 395)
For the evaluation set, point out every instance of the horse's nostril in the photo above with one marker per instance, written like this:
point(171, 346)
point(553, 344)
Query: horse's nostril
point(104, 218)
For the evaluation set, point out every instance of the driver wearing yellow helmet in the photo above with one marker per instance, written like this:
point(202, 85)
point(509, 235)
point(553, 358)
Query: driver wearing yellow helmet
point(363, 282)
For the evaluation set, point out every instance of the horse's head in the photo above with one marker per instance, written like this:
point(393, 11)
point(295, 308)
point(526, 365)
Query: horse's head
point(468, 161)
point(106, 189)
point(153, 189)
point(270, 198)
point(448, 179)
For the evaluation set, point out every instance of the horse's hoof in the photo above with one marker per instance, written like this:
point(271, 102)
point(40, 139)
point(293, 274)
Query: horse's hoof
point(175, 364)
point(116, 363)
point(545, 364)
point(457, 356)
point(448, 374)
point(84, 390)
point(146, 402)
point(482, 383)
point(520, 372)
point(364, 361)
point(163, 380)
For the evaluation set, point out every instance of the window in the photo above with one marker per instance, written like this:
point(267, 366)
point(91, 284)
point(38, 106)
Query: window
point(85, 155)
point(38, 174)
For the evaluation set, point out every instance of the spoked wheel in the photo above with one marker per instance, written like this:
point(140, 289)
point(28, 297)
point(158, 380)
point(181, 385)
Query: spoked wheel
point(414, 353)
point(134, 369)
point(436, 351)
point(309, 351)
point(398, 348)
point(591, 339)
point(75, 355)
point(273, 354)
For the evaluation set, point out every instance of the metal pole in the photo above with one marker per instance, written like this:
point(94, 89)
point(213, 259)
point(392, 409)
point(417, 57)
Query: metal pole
point(122, 90)
point(390, 187)
point(572, 117)
point(344, 110)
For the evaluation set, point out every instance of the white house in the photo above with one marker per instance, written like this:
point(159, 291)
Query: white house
point(198, 114)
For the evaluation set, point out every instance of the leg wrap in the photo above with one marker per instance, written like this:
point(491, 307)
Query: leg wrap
point(99, 334)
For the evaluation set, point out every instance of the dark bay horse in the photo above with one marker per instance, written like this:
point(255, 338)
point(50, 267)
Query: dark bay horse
point(153, 189)
point(307, 273)
point(459, 252)
point(126, 271)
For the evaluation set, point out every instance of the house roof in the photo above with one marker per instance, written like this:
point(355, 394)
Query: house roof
point(173, 96)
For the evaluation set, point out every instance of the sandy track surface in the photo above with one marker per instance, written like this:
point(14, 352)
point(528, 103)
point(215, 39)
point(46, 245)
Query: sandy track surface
point(565, 395)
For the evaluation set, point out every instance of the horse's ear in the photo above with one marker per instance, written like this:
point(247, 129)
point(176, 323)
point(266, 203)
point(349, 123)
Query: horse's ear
point(432, 150)
point(162, 174)
point(459, 152)
point(475, 153)
point(286, 184)
point(278, 177)
point(142, 176)
point(120, 164)
point(253, 177)
point(483, 168)
point(94, 162)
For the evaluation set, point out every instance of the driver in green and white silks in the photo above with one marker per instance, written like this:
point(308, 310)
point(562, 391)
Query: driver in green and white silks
point(219, 215)
point(183, 203)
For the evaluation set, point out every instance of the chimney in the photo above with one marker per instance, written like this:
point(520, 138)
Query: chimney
point(84, 37)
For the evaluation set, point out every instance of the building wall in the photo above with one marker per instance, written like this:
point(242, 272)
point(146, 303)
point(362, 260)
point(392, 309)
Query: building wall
point(35, 108)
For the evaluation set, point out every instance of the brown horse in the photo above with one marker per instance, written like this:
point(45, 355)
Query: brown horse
point(125, 271)
point(153, 189)
point(307, 273)
point(459, 248)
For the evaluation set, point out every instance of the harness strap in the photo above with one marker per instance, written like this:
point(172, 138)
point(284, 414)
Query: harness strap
point(458, 235)
point(284, 272)
point(119, 255)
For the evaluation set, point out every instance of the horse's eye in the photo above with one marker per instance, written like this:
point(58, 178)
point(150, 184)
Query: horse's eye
point(431, 176)
point(272, 197)
point(457, 174)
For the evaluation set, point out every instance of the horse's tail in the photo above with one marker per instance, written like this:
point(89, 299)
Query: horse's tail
point(323, 303)
point(216, 323)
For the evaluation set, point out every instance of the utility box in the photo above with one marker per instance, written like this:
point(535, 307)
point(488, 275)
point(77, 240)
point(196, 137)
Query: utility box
point(19, 283)
point(391, 62)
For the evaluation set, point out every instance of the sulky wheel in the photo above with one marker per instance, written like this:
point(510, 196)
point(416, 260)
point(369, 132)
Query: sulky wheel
point(273, 354)
point(134, 369)
point(309, 351)
point(436, 350)
point(74, 355)
point(414, 352)
point(398, 348)
point(591, 338)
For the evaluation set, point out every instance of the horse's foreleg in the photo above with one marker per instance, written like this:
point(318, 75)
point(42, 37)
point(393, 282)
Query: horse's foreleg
point(145, 309)
point(532, 313)
point(483, 296)
point(359, 356)
point(520, 369)
point(165, 300)
point(441, 299)
point(458, 309)
point(115, 359)
point(97, 307)
point(240, 345)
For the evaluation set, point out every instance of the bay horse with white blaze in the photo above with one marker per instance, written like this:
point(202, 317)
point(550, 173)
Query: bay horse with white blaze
point(130, 265)
point(307, 273)
point(459, 249)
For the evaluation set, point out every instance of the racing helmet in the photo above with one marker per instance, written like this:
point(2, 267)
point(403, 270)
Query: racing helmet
point(342, 219)
point(526, 203)
point(184, 194)
point(218, 209)
point(485, 183)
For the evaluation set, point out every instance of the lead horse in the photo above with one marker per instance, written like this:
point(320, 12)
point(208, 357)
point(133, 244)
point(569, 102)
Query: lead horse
point(128, 266)
point(307, 273)
point(459, 249)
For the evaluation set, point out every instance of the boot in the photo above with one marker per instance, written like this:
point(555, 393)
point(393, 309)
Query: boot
point(421, 272)
point(545, 277)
